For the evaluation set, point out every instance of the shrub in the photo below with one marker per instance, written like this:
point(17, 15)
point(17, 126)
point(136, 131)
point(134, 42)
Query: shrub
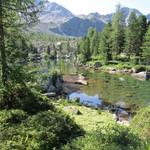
point(12, 116)
point(56, 127)
point(43, 131)
point(25, 99)
point(124, 66)
point(148, 68)
point(141, 122)
point(110, 137)
point(140, 68)
point(122, 58)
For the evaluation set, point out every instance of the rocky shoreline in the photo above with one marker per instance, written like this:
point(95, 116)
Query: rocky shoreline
point(68, 84)
point(140, 75)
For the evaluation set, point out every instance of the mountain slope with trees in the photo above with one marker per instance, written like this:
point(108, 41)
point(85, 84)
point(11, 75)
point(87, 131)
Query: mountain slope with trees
point(119, 38)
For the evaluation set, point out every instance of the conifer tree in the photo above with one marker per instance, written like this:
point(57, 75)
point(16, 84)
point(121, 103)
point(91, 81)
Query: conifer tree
point(48, 50)
point(118, 26)
point(143, 26)
point(14, 14)
point(105, 45)
point(146, 47)
point(132, 45)
point(85, 49)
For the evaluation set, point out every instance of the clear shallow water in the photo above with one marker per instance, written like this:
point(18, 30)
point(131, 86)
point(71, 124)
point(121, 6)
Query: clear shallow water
point(86, 99)
point(104, 87)
point(114, 88)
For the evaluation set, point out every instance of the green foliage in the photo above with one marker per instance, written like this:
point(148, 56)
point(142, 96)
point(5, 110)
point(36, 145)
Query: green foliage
point(143, 27)
point(105, 46)
point(118, 31)
point(124, 66)
point(13, 116)
point(12, 43)
point(139, 68)
point(141, 123)
point(25, 99)
point(43, 131)
point(135, 32)
point(88, 46)
point(145, 47)
point(84, 52)
point(110, 137)
point(117, 38)
point(94, 41)
point(122, 57)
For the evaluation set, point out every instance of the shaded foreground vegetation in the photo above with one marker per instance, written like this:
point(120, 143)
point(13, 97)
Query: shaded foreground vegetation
point(102, 132)
point(34, 123)
point(52, 127)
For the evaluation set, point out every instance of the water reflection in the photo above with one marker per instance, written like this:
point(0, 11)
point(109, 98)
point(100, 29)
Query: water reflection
point(86, 99)
point(111, 88)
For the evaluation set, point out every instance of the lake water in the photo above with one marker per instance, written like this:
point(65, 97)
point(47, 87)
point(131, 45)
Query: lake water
point(86, 99)
point(104, 87)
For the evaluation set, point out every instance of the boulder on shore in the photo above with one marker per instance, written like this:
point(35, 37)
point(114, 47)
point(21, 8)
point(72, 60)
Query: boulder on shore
point(49, 95)
point(79, 81)
point(76, 79)
point(142, 75)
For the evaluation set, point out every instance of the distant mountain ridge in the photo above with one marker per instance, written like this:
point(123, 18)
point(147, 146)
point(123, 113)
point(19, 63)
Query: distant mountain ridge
point(53, 12)
point(78, 27)
point(108, 17)
point(148, 17)
point(56, 19)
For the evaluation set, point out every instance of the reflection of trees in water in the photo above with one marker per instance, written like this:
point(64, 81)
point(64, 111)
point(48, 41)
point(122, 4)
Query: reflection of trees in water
point(63, 66)
point(110, 88)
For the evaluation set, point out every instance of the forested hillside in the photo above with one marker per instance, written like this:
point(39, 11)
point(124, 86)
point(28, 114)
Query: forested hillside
point(118, 41)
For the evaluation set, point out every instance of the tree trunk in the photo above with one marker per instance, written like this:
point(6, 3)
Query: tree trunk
point(2, 48)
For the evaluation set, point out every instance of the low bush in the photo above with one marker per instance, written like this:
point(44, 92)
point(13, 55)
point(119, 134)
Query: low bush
point(141, 122)
point(12, 116)
point(110, 137)
point(43, 131)
point(124, 66)
point(25, 99)
point(122, 58)
point(139, 68)
point(148, 68)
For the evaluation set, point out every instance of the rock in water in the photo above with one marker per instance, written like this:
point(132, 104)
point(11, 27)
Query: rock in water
point(97, 64)
point(81, 80)
point(51, 89)
point(84, 82)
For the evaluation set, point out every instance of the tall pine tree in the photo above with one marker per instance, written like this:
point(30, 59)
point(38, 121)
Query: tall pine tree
point(84, 51)
point(132, 45)
point(93, 38)
point(14, 15)
point(143, 26)
point(146, 47)
point(105, 45)
point(118, 26)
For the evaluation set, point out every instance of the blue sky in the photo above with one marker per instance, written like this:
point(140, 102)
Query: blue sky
point(102, 6)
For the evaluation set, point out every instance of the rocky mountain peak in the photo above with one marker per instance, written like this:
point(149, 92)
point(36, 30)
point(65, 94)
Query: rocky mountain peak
point(54, 12)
